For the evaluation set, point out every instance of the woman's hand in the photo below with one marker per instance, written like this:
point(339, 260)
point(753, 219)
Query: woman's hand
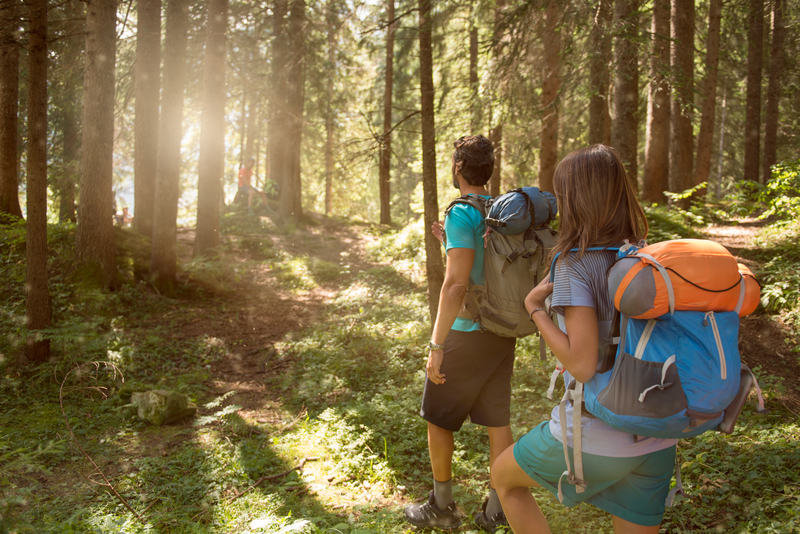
point(538, 294)
point(434, 364)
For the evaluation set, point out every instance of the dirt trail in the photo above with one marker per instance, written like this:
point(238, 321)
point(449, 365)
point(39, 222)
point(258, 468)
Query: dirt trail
point(262, 314)
point(762, 339)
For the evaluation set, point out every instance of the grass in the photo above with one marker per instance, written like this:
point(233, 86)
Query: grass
point(346, 400)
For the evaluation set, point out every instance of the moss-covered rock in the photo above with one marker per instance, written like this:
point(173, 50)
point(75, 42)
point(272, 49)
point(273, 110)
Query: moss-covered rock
point(161, 407)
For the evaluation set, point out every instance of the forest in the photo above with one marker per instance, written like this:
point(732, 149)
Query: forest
point(291, 319)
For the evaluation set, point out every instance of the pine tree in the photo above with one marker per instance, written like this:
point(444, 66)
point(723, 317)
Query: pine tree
point(386, 138)
point(433, 263)
point(625, 126)
point(776, 65)
point(656, 159)
point(164, 257)
point(37, 301)
point(9, 109)
point(705, 137)
point(599, 54)
point(147, 84)
point(212, 129)
point(551, 83)
point(94, 240)
point(681, 144)
point(755, 63)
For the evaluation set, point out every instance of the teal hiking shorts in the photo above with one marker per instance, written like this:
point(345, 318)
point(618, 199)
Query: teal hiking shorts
point(634, 489)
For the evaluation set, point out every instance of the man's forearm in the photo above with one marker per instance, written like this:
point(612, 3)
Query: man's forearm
point(450, 300)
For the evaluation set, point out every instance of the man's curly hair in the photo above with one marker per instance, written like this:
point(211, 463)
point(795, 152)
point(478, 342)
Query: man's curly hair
point(474, 159)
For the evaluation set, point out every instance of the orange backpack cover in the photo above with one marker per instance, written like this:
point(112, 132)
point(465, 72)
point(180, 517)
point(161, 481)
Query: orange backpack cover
point(700, 275)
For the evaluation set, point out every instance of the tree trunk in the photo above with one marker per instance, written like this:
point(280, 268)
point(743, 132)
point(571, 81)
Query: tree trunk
point(147, 83)
point(551, 83)
point(9, 108)
point(68, 99)
point(66, 183)
point(681, 137)
point(295, 100)
point(496, 137)
point(496, 131)
point(37, 298)
point(433, 251)
point(705, 137)
point(329, 109)
point(774, 89)
point(164, 258)
point(625, 127)
point(279, 124)
point(474, 83)
point(250, 144)
point(94, 240)
point(386, 139)
point(755, 61)
point(718, 184)
point(211, 164)
point(243, 121)
point(600, 50)
point(656, 158)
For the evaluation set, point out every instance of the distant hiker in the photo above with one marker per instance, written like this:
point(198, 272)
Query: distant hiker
point(468, 370)
point(245, 173)
point(124, 218)
point(626, 477)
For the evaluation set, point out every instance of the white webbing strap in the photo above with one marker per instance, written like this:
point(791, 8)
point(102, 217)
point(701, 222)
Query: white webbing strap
point(559, 370)
point(739, 304)
point(576, 396)
point(670, 361)
point(667, 281)
point(678, 489)
point(577, 438)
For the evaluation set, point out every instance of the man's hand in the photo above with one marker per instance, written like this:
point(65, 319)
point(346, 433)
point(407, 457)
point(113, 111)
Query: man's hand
point(434, 364)
point(437, 229)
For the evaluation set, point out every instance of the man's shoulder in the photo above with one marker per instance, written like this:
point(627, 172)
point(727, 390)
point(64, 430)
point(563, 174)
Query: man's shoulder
point(468, 207)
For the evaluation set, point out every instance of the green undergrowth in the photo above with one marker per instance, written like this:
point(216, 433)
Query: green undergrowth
point(344, 404)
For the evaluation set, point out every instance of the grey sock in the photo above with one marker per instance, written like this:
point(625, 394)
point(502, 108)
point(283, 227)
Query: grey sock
point(443, 493)
point(493, 507)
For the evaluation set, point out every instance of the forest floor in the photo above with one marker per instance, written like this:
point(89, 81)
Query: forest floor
point(264, 314)
point(762, 338)
point(261, 313)
point(250, 343)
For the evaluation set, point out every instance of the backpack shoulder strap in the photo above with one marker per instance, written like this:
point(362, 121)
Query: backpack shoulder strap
point(611, 248)
point(477, 202)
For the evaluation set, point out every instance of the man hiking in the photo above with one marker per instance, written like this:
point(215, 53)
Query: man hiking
point(468, 370)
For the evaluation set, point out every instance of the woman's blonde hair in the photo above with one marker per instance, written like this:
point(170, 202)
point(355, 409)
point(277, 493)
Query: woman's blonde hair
point(596, 201)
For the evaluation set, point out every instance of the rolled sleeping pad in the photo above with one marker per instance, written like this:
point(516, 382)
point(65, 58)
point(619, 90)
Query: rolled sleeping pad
point(701, 275)
point(526, 207)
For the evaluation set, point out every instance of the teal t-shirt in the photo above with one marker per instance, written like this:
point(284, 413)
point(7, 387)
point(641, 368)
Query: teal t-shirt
point(464, 228)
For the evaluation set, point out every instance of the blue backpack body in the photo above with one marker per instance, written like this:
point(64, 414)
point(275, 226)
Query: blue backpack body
point(673, 377)
point(676, 376)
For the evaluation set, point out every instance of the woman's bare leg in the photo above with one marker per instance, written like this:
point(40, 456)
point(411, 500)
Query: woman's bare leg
point(513, 487)
point(622, 526)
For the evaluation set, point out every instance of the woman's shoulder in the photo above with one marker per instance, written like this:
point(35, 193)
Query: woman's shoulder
point(590, 262)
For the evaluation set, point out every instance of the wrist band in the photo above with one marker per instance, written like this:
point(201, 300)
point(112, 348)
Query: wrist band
point(534, 311)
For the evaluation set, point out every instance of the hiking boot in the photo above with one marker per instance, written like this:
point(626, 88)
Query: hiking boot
point(496, 523)
point(428, 515)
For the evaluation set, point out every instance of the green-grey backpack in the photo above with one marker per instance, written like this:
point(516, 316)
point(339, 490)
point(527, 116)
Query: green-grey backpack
point(514, 263)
